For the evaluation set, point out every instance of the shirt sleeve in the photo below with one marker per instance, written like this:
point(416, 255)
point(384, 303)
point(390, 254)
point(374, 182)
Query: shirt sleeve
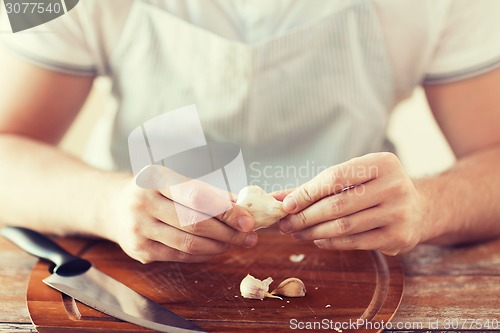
point(63, 44)
point(469, 44)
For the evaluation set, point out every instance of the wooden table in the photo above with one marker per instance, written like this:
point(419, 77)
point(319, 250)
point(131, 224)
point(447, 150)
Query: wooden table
point(446, 288)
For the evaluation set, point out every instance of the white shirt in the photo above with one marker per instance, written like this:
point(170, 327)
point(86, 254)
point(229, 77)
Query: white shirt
point(426, 40)
point(405, 43)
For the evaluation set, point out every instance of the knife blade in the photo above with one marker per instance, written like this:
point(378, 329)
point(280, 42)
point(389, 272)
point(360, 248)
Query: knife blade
point(77, 278)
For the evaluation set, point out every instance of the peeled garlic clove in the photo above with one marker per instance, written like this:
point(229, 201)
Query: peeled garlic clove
point(253, 288)
point(264, 208)
point(291, 287)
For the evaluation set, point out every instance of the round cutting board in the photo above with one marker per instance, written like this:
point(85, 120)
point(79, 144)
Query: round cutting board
point(343, 288)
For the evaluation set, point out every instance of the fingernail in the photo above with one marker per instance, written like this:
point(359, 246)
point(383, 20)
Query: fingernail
point(298, 235)
point(289, 204)
point(319, 243)
point(251, 240)
point(245, 223)
point(285, 226)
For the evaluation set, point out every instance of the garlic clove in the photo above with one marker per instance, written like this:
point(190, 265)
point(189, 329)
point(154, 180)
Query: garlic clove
point(253, 288)
point(291, 287)
point(263, 207)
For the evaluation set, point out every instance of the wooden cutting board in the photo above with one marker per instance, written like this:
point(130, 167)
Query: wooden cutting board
point(341, 286)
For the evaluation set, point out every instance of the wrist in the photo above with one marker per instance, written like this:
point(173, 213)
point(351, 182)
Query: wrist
point(104, 220)
point(435, 213)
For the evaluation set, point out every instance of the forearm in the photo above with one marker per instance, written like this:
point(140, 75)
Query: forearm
point(45, 189)
point(462, 203)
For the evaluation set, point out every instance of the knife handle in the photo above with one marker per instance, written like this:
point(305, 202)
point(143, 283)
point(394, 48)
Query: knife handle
point(44, 248)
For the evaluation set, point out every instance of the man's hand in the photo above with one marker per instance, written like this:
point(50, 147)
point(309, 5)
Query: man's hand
point(148, 227)
point(367, 203)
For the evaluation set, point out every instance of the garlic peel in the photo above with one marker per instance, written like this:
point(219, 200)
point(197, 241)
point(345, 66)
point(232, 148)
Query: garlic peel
point(263, 207)
point(253, 288)
point(296, 258)
point(269, 295)
point(291, 287)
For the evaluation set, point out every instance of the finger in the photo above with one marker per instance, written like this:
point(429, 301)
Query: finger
point(183, 241)
point(331, 181)
point(208, 227)
point(202, 198)
point(333, 207)
point(191, 193)
point(215, 229)
point(280, 195)
point(369, 240)
point(199, 196)
point(159, 177)
point(159, 252)
point(168, 211)
point(365, 220)
point(237, 218)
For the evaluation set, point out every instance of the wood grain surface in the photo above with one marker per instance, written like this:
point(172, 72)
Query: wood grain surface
point(441, 283)
point(446, 285)
point(341, 287)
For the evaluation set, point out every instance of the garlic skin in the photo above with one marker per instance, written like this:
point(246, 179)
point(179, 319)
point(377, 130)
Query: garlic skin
point(263, 207)
point(291, 287)
point(296, 258)
point(253, 288)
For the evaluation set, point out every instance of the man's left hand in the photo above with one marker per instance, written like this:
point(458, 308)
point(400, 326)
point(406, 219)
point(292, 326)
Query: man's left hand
point(367, 203)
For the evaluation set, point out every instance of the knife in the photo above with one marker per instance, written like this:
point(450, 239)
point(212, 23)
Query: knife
point(77, 278)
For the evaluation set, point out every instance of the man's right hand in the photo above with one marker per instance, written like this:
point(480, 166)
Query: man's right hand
point(147, 224)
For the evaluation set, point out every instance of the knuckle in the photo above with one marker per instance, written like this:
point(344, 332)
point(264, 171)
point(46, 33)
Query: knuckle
point(302, 219)
point(182, 256)
point(195, 197)
point(343, 225)
point(308, 234)
point(391, 190)
point(191, 218)
point(138, 245)
point(139, 251)
point(337, 204)
point(402, 239)
point(351, 242)
point(336, 179)
point(220, 247)
point(139, 201)
point(306, 195)
point(227, 215)
point(138, 226)
point(236, 237)
point(402, 215)
point(188, 243)
point(332, 172)
point(410, 244)
point(399, 188)
point(403, 186)
point(388, 158)
point(145, 258)
point(197, 228)
point(399, 241)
